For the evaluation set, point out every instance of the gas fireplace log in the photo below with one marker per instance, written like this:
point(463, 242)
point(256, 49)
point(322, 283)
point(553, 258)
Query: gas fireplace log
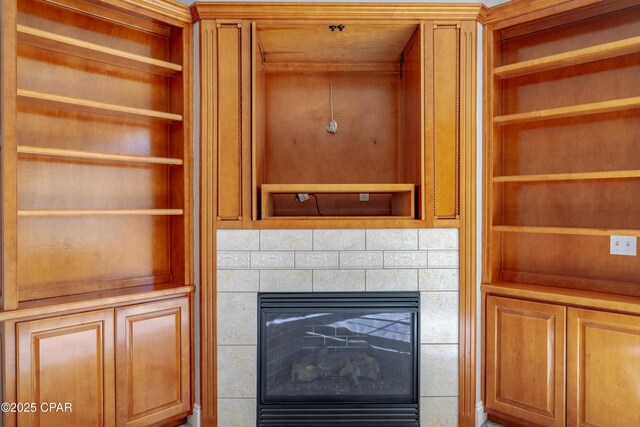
point(321, 364)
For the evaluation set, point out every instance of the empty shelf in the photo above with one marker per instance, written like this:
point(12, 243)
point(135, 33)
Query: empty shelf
point(566, 230)
point(82, 212)
point(81, 48)
point(571, 111)
point(581, 176)
point(95, 106)
point(567, 59)
point(58, 152)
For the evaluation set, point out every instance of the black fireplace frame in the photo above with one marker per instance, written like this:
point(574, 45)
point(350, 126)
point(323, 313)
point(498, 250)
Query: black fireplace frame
point(353, 413)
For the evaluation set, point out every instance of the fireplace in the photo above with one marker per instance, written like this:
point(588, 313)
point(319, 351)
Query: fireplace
point(338, 359)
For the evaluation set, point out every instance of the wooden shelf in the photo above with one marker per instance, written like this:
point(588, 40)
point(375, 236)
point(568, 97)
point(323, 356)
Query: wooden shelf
point(569, 176)
point(335, 188)
point(75, 47)
point(402, 194)
point(571, 111)
point(572, 297)
point(84, 212)
point(95, 300)
point(567, 59)
point(566, 230)
point(95, 107)
point(58, 152)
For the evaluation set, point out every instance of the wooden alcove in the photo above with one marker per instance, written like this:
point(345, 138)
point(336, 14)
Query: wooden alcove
point(375, 72)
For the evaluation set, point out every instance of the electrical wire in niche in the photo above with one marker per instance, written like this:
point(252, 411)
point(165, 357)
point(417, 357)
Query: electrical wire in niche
point(303, 197)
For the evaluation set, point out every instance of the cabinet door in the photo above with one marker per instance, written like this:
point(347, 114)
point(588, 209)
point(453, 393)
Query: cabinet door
point(525, 360)
point(67, 360)
point(153, 362)
point(603, 369)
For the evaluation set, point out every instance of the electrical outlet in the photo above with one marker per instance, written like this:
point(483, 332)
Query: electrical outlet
point(623, 245)
point(302, 197)
point(364, 197)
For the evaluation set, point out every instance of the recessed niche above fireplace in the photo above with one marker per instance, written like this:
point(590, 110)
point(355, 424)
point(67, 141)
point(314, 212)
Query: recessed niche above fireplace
point(338, 359)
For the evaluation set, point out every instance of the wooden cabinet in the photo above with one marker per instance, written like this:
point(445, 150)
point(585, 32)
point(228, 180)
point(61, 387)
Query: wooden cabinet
point(152, 362)
point(603, 361)
point(534, 351)
point(124, 366)
point(68, 359)
point(525, 360)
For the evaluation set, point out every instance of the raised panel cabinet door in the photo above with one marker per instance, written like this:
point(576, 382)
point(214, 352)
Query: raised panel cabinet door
point(153, 362)
point(66, 361)
point(525, 360)
point(603, 369)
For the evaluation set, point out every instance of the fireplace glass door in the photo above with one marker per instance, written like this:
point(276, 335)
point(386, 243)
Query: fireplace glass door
point(338, 348)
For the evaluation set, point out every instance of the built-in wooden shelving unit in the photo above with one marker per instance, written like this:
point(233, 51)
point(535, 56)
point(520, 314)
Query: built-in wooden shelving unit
point(562, 177)
point(90, 106)
point(110, 126)
point(97, 235)
point(560, 281)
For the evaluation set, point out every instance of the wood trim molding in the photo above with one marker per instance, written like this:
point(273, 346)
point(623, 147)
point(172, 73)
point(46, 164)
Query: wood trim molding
point(345, 11)
point(8, 159)
point(208, 202)
point(468, 286)
point(520, 11)
point(162, 9)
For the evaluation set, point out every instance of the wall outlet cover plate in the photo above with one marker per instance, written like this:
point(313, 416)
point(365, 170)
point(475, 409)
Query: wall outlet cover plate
point(623, 245)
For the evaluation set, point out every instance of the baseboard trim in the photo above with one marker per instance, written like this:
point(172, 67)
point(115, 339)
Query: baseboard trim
point(194, 419)
point(481, 416)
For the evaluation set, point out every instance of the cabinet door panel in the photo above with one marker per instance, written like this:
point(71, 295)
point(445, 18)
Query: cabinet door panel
point(525, 360)
point(67, 359)
point(603, 368)
point(152, 362)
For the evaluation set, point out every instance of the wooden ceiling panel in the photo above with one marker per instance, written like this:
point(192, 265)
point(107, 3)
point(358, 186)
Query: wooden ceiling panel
point(316, 43)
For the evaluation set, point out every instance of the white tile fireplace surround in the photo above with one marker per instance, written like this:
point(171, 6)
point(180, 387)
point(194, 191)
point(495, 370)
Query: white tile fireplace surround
point(252, 261)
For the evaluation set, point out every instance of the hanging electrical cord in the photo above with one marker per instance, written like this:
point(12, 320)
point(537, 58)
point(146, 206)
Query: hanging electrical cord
point(332, 127)
point(317, 205)
point(303, 197)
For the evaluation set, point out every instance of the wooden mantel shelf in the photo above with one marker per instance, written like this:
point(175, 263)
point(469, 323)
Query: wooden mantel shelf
point(570, 297)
